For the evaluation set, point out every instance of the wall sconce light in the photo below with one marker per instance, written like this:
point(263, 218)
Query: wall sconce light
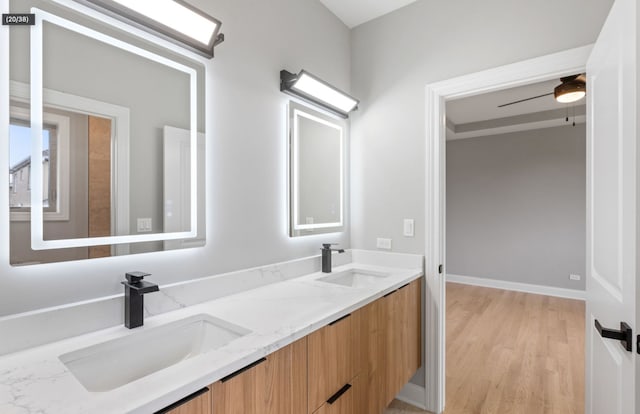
point(318, 92)
point(173, 20)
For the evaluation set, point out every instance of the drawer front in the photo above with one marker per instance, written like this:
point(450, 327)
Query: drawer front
point(276, 384)
point(332, 359)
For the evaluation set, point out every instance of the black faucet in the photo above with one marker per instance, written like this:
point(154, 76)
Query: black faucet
point(326, 256)
point(134, 288)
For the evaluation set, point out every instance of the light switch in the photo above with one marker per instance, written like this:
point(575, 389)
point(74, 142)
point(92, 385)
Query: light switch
point(144, 225)
point(383, 243)
point(408, 230)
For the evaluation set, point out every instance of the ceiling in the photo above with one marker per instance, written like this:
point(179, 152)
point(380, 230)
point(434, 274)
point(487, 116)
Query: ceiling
point(479, 115)
point(356, 12)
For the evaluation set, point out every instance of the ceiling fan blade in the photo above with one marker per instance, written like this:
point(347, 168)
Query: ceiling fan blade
point(524, 100)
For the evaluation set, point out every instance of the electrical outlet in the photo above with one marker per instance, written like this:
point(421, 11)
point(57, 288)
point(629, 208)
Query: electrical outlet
point(575, 277)
point(383, 243)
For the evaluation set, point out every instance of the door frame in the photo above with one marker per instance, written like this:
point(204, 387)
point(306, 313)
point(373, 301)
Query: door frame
point(553, 66)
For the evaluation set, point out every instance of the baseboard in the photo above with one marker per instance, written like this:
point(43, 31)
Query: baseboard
point(518, 287)
point(413, 394)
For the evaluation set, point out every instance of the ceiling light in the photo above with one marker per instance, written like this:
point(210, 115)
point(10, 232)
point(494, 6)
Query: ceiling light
point(570, 91)
point(313, 89)
point(174, 20)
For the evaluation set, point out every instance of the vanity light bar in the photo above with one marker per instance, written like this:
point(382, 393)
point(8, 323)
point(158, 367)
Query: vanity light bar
point(173, 20)
point(312, 89)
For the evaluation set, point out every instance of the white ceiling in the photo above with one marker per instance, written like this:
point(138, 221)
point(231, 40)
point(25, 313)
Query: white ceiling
point(484, 107)
point(356, 12)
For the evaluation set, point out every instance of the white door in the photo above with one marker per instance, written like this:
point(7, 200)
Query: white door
point(611, 213)
point(176, 191)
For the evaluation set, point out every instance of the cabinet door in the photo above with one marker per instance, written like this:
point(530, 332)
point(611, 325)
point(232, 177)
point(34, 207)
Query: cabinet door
point(412, 337)
point(275, 385)
point(197, 403)
point(332, 359)
point(373, 327)
point(402, 353)
point(348, 400)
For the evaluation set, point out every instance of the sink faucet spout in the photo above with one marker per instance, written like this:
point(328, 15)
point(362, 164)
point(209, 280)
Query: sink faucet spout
point(134, 289)
point(326, 256)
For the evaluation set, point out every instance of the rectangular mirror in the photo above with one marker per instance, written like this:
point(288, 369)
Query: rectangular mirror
point(106, 139)
point(317, 143)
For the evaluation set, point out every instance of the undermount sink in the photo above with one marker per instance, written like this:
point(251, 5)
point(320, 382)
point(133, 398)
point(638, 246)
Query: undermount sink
point(355, 278)
point(111, 364)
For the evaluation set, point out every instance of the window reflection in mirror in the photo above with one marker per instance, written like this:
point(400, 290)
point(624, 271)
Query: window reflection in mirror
point(317, 143)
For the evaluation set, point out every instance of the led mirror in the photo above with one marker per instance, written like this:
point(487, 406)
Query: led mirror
point(317, 144)
point(106, 140)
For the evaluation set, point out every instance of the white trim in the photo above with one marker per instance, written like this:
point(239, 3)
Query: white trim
point(549, 123)
point(62, 124)
point(539, 69)
point(37, 240)
point(413, 394)
point(518, 287)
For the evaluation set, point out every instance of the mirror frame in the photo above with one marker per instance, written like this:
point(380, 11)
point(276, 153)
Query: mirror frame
point(37, 101)
point(294, 112)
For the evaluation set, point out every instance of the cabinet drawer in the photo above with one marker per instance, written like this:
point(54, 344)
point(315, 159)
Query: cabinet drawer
point(276, 384)
point(332, 359)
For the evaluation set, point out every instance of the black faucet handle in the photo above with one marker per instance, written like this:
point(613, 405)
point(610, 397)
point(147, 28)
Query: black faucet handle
point(136, 277)
point(328, 245)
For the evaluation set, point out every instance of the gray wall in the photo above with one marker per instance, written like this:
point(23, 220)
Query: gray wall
point(516, 206)
point(246, 159)
point(395, 56)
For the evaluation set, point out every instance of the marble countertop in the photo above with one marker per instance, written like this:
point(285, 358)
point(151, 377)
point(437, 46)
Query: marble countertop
point(36, 381)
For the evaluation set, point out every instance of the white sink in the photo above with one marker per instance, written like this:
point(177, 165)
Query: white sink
point(114, 363)
point(357, 278)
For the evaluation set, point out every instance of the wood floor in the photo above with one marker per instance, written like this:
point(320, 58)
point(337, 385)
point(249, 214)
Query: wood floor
point(511, 353)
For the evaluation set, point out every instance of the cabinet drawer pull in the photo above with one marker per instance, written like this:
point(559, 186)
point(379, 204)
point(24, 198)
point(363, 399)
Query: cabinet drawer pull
point(241, 370)
point(390, 293)
point(183, 401)
point(338, 394)
point(339, 319)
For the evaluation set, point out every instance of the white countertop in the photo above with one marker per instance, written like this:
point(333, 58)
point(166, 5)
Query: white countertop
point(35, 381)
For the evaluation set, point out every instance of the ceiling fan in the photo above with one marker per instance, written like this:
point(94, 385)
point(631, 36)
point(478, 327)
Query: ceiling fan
point(572, 89)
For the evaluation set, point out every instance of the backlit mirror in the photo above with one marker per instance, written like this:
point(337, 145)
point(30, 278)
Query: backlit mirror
point(317, 143)
point(105, 138)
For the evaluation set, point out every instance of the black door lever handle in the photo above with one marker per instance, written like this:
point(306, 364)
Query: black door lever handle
point(624, 335)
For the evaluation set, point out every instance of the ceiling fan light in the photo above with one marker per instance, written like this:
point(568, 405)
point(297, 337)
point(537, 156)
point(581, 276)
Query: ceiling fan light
point(569, 92)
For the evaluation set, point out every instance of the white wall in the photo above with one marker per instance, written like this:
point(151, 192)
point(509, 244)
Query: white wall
point(246, 159)
point(516, 206)
point(395, 56)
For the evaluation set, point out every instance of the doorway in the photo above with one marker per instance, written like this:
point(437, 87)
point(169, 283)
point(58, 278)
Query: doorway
point(516, 245)
point(540, 69)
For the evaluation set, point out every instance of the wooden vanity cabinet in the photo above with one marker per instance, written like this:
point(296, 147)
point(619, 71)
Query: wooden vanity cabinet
point(197, 403)
point(333, 361)
point(354, 365)
point(276, 384)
